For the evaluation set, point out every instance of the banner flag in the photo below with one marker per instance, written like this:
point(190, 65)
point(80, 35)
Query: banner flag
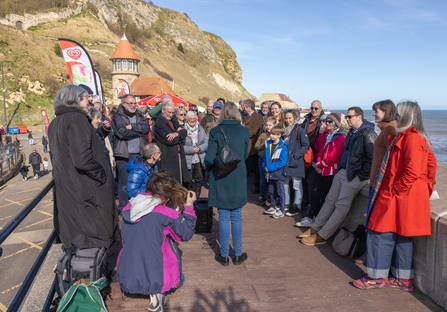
point(45, 118)
point(99, 86)
point(79, 64)
point(124, 87)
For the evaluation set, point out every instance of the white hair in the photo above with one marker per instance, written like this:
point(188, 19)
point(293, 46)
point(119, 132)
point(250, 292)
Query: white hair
point(96, 99)
point(168, 104)
point(189, 114)
point(409, 115)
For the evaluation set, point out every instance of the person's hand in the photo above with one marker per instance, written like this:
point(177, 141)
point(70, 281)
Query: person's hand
point(318, 170)
point(266, 169)
point(106, 124)
point(196, 149)
point(190, 198)
point(323, 128)
point(179, 128)
point(172, 136)
point(129, 127)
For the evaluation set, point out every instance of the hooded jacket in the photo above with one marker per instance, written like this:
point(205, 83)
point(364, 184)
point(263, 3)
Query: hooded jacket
point(149, 262)
point(329, 156)
point(358, 151)
point(35, 158)
point(296, 149)
point(275, 160)
point(138, 175)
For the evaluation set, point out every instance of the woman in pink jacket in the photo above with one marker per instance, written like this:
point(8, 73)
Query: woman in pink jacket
point(327, 164)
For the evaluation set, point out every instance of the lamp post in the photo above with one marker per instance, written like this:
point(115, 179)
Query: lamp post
point(4, 104)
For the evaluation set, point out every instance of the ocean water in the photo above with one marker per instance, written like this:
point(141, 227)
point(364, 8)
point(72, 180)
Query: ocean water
point(435, 124)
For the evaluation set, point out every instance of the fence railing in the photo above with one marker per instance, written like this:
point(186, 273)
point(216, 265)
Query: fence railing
point(4, 234)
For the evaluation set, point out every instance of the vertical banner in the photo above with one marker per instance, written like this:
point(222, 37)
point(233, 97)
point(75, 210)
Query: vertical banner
point(79, 64)
point(124, 87)
point(45, 118)
point(99, 86)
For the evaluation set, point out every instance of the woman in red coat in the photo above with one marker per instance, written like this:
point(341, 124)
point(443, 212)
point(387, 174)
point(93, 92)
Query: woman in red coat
point(400, 203)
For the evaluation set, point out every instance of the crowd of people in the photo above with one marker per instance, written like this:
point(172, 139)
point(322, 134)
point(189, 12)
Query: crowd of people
point(313, 166)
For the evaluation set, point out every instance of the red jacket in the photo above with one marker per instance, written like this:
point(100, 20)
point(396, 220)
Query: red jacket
point(319, 143)
point(402, 205)
point(329, 156)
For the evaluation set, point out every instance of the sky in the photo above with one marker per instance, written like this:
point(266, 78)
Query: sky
point(343, 53)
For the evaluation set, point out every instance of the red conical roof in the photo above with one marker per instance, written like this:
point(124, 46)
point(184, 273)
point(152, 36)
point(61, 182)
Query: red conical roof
point(124, 50)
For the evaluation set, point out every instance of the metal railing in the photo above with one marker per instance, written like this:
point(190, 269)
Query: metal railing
point(4, 234)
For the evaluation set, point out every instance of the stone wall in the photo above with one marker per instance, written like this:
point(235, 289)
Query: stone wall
point(29, 20)
point(129, 77)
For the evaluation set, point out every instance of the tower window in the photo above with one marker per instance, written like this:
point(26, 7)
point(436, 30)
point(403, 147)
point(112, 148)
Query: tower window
point(114, 65)
point(118, 64)
point(136, 66)
point(130, 65)
point(124, 64)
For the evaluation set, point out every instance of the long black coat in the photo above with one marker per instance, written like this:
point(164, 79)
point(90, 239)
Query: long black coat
point(85, 213)
point(169, 151)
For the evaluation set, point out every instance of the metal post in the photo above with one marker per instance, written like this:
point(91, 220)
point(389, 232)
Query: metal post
point(4, 104)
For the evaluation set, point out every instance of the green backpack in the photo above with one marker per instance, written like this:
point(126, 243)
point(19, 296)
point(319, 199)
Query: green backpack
point(84, 296)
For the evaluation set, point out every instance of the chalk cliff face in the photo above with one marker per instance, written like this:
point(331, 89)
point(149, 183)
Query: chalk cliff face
point(199, 65)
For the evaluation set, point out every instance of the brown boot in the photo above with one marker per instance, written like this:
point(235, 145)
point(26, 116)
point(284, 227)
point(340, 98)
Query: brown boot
point(308, 233)
point(313, 240)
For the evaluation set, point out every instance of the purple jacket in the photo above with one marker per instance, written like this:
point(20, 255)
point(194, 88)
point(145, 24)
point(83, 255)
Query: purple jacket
point(149, 262)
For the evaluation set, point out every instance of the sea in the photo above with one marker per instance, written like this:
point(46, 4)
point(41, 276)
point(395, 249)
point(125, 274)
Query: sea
point(435, 124)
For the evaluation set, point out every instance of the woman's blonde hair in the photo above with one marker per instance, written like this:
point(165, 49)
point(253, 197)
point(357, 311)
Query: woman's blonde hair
point(230, 111)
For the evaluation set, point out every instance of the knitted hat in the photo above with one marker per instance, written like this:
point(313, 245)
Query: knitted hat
point(86, 88)
point(335, 117)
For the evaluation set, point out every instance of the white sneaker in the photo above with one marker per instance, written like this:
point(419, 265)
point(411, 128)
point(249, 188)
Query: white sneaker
point(278, 214)
point(286, 208)
point(305, 222)
point(271, 211)
point(23, 179)
point(35, 177)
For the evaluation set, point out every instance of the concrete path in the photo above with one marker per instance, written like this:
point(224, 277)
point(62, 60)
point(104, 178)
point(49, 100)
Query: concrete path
point(281, 274)
point(21, 249)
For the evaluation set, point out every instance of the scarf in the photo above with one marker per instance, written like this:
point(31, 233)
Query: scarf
point(193, 133)
point(289, 129)
point(378, 180)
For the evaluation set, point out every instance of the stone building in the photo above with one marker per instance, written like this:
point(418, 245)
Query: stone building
point(283, 99)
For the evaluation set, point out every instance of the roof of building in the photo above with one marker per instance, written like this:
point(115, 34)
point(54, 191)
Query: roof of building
point(124, 50)
point(149, 86)
point(284, 97)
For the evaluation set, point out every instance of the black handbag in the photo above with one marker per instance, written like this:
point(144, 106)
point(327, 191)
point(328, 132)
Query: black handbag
point(227, 159)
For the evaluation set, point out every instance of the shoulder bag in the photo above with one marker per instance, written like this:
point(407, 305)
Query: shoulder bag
point(227, 160)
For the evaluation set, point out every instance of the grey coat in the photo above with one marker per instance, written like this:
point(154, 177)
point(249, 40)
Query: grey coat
point(189, 147)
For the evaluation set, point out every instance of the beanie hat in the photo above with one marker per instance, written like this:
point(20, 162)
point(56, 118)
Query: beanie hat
point(86, 88)
point(335, 117)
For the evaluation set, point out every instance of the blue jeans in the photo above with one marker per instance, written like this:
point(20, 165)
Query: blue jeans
point(276, 189)
point(45, 148)
point(235, 216)
point(297, 186)
point(262, 179)
point(31, 141)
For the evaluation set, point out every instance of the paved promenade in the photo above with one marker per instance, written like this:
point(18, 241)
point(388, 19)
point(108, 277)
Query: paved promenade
point(281, 274)
point(21, 249)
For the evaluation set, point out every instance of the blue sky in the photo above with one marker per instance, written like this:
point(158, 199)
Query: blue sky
point(343, 53)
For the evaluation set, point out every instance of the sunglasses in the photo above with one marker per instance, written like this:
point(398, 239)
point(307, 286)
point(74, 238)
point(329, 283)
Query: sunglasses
point(182, 114)
point(329, 121)
point(131, 103)
point(194, 110)
point(350, 116)
point(315, 108)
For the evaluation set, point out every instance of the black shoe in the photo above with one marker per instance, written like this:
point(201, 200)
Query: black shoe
point(293, 211)
point(239, 259)
point(256, 190)
point(225, 261)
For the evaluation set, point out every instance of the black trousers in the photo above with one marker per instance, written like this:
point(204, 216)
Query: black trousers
point(253, 162)
point(36, 169)
point(322, 186)
point(195, 184)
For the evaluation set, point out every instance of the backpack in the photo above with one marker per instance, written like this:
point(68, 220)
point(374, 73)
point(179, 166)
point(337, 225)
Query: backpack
point(350, 244)
point(309, 156)
point(89, 264)
point(84, 296)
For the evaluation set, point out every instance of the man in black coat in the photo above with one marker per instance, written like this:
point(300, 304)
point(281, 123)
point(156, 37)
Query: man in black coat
point(168, 135)
point(45, 143)
point(85, 214)
point(35, 160)
point(129, 126)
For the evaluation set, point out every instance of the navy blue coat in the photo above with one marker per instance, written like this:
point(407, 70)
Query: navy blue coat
point(138, 175)
point(229, 192)
point(297, 148)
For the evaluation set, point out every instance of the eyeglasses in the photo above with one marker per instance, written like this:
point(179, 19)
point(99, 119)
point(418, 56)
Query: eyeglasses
point(182, 114)
point(131, 103)
point(350, 116)
point(329, 121)
point(194, 110)
point(315, 108)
